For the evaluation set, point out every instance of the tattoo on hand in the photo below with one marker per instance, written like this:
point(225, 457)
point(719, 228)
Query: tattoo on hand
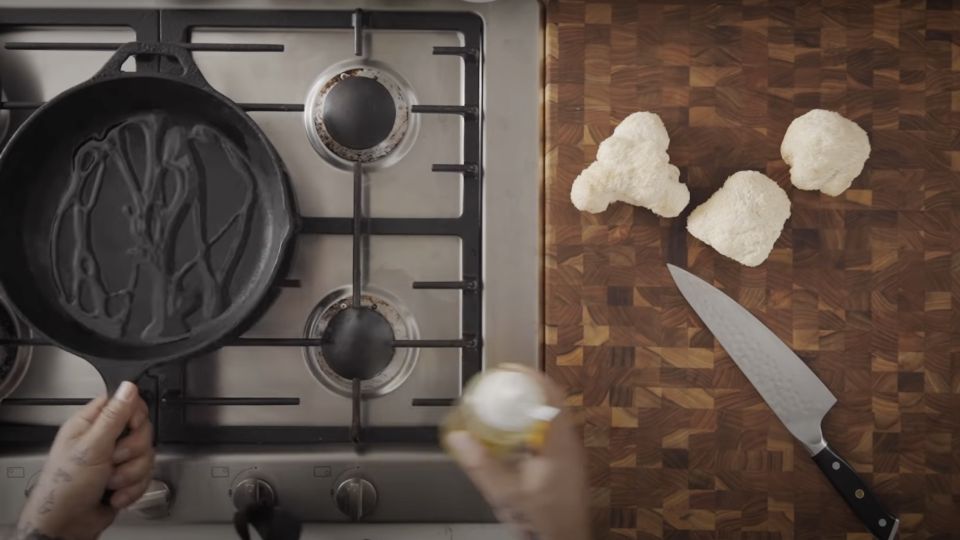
point(61, 476)
point(79, 456)
point(49, 502)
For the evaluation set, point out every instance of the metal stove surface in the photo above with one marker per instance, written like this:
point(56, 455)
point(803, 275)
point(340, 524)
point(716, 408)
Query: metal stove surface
point(322, 264)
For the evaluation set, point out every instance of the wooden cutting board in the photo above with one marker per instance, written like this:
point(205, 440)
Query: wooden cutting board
point(865, 286)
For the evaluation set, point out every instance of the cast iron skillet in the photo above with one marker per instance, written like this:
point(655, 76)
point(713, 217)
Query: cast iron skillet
point(144, 217)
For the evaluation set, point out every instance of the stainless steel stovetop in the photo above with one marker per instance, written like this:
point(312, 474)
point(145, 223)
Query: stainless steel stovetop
point(414, 481)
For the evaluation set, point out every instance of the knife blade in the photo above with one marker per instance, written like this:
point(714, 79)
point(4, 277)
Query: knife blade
point(794, 393)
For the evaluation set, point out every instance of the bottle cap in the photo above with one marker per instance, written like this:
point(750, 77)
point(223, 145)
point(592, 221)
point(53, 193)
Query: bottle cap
point(509, 400)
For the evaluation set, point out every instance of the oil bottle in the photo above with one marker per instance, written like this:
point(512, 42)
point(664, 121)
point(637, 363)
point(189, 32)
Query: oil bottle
point(506, 409)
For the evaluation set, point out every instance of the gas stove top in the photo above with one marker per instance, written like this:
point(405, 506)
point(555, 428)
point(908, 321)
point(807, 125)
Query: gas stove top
point(420, 221)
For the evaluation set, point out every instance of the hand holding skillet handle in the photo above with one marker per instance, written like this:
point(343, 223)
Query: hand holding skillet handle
point(799, 399)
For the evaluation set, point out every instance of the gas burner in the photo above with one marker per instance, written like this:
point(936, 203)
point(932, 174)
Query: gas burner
point(359, 114)
point(359, 342)
point(14, 360)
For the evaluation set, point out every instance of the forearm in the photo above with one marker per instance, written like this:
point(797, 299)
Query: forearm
point(38, 520)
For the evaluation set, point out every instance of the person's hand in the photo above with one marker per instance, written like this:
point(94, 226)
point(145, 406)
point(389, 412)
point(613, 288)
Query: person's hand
point(87, 459)
point(542, 493)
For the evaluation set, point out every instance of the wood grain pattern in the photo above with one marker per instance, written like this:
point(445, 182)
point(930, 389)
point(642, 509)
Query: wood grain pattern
point(866, 286)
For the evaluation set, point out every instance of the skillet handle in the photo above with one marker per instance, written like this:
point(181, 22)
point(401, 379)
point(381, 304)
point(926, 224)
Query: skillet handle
point(191, 73)
point(113, 373)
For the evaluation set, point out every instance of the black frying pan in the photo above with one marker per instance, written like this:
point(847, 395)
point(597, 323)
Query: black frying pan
point(144, 217)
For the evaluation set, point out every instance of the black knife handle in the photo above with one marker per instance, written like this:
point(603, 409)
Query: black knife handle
point(861, 500)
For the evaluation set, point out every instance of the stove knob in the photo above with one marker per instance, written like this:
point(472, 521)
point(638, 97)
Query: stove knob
point(155, 502)
point(356, 498)
point(253, 493)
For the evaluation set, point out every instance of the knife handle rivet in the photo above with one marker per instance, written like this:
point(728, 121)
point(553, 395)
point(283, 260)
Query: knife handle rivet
point(836, 465)
point(883, 522)
point(858, 493)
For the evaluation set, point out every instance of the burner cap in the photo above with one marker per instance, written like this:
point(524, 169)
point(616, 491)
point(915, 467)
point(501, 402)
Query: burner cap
point(358, 343)
point(359, 112)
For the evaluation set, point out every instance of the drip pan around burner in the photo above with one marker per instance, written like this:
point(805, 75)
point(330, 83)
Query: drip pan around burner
point(386, 378)
point(360, 113)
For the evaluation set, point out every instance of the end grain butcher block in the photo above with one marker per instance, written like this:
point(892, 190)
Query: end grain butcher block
point(865, 286)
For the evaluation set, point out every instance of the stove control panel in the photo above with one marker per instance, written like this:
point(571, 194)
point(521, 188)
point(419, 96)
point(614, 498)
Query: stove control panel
point(322, 483)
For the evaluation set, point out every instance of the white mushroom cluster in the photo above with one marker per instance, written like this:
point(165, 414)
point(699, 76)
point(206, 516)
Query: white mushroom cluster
point(633, 166)
point(825, 151)
point(743, 219)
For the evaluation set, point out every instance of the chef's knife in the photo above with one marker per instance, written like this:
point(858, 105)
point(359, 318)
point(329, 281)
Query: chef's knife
point(785, 382)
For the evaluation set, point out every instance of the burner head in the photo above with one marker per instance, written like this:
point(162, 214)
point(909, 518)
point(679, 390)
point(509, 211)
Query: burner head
point(358, 343)
point(359, 112)
point(330, 371)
